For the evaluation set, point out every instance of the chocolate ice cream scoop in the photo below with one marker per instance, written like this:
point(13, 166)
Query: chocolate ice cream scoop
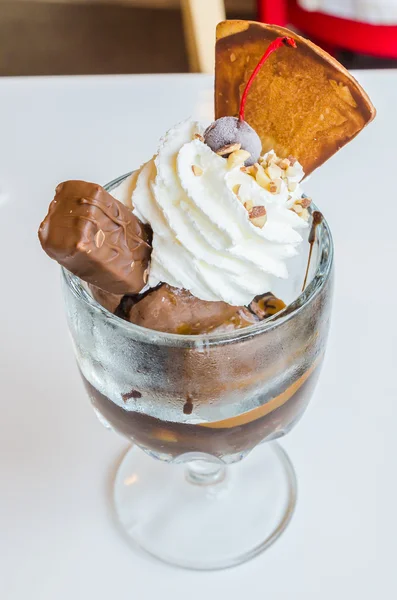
point(106, 299)
point(176, 311)
point(173, 310)
point(96, 237)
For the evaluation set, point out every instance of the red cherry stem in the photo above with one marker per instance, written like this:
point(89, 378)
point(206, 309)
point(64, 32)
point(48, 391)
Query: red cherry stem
point(277, 43)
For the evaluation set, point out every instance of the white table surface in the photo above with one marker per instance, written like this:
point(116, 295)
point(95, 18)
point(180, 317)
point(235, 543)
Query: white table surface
point(57, 539)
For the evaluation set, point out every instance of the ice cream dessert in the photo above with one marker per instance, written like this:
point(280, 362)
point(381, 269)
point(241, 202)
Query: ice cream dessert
point(220, 233)
point(194, 243)
point(210, 222)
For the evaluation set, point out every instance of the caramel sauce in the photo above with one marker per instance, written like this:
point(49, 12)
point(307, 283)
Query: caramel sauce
point(242, 318)
point(266, 306)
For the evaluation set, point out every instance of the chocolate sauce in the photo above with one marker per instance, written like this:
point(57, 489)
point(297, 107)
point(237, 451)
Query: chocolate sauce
point(176, 438)
point(317, 219)
point(188, 406)
point(128, 301)
point(133, 394)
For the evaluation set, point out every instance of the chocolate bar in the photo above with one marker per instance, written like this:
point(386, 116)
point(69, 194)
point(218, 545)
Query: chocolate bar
point(97, 238)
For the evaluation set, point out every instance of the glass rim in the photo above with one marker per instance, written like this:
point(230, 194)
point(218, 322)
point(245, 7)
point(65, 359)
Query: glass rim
point(320, 277)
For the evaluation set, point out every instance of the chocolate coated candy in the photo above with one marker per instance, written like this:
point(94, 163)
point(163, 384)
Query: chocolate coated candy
point(177, 311)
point(96, 237)
point(230, 130)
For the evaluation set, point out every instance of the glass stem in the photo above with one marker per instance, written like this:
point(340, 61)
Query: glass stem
point(204, 472)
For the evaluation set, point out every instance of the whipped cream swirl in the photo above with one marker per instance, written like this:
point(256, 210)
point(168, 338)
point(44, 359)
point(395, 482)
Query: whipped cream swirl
point(203, 239)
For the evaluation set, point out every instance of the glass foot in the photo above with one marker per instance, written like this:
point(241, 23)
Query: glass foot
point(186, 515)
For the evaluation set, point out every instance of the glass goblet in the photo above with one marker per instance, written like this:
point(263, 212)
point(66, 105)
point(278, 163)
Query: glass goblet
point(201, 404)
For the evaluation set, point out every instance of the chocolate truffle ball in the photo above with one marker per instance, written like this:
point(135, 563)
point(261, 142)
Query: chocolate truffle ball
point(231, 130)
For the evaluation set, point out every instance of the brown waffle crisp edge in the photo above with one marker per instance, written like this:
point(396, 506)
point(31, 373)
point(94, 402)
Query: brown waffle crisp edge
point(302, 103)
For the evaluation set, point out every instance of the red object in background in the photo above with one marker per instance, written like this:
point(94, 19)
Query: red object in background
point(332, 33)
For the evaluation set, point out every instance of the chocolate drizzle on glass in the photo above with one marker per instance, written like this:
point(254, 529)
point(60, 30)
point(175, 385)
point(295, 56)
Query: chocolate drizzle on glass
point(317, 219)
point(188, 406)
point(132, 395)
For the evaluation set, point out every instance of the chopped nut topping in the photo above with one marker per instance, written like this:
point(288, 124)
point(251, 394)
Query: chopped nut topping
point(257, 211)
point(259, 221)
point(237, 158)
point(273, 187)
point(228, 149)
point(274, 171)
point(297, 208)
point(284, 164)
point(304, 214)
point(249, 170)
point(262, 179)
point(292, 160)
point(305, 202)
point(198, 136)
point(271, 158)
point(248, 205)
point(99, 238)
point(232, 57)
point(236, 188)
point(257, 216)
point(197, 170)
point(292, 186)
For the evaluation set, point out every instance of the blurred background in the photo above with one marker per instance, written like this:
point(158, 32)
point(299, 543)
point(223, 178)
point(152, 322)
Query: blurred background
point(57, 37)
